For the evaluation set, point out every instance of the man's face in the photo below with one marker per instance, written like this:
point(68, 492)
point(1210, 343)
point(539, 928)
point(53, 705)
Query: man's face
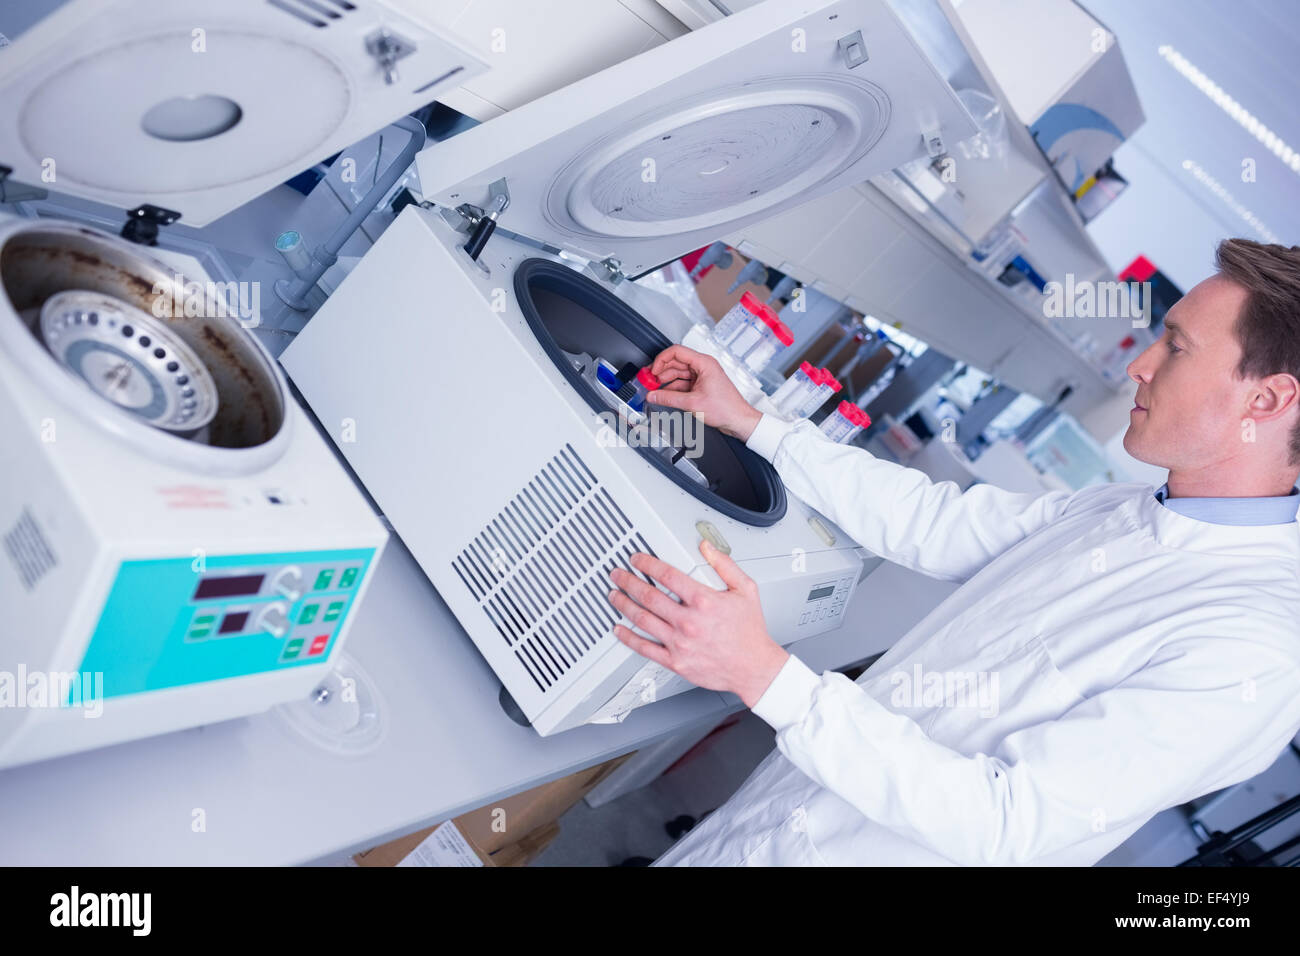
point(1189, 404)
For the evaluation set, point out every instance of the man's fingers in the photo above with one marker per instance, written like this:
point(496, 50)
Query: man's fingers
point(669, 398)
point(676, 376)
point(667, 575)
point(647, 595)
point(648, 621)
point(679, 354)
point(647, 649)
point(727, 569)
point(676, 384)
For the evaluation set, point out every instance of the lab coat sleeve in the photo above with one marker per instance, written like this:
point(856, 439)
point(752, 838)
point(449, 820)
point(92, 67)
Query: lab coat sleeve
point(1206, 713)
point(898, 512)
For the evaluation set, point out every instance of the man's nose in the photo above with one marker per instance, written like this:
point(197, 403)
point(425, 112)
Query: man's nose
point(1141, 368)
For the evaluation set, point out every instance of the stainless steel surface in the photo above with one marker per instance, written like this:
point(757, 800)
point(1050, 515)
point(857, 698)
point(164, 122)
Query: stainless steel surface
point(44, 259)
point(131, 359)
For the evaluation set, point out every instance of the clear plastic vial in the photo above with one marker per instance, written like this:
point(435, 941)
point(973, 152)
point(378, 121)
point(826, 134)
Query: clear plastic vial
point(740, 317)
point(642, 385)
point(827, 385)
point(845, 423)
point(797, 390)
point(776, 336)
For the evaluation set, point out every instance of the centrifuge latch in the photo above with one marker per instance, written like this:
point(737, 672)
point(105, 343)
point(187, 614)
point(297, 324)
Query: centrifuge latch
point(143, 221)
point(498, 202)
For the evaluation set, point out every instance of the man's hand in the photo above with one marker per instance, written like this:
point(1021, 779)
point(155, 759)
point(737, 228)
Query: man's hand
point(715, 639)
point(694, 382)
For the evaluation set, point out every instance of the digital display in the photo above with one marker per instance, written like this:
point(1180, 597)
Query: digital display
point(816, 594)
point(229, 587)
point(233, 622)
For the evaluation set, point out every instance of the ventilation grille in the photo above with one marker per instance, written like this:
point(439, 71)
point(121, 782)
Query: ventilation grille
point(540, 568)
point(317, 13)
point(28, 550)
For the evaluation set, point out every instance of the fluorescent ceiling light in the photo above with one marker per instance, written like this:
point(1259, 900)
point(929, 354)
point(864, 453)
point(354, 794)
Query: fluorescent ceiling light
point(1242, 116)
point(1214, 186)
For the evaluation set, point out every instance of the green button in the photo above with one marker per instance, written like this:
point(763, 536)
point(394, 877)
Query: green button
point(205, 619)
point(292, 649)
point(323, 579)
point(348, 578)
point(201, 632)
point(308, 614)
point(333, 612)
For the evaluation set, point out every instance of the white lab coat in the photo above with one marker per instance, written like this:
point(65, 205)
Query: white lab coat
point(1141, 658)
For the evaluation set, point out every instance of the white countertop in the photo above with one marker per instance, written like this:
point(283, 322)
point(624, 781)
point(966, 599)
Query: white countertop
point(269, 797)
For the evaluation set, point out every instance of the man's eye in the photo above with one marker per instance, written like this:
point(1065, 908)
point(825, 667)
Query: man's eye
point(1173, 348)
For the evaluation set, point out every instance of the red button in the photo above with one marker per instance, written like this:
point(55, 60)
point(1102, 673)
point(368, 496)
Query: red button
point(318, 645)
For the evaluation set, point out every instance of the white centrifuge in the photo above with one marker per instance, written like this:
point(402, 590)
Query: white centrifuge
point(179, 544)
point(466, 347)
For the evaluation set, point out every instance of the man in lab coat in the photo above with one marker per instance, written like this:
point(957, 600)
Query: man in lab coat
point(1144, 644)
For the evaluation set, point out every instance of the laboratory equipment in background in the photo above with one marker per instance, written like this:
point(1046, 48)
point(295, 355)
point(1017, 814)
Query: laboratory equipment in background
point(715, 254)
point(1161, 289)
point(908, 384)
point(518, 529)
point(1065, 450)
point(991, 402)
point(1079, 101)
point(180, 545)
point(872, 367)
point(170, 112)
point(855, 244)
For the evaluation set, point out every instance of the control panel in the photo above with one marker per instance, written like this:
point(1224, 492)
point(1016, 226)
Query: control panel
point(172, 622)
point(825, 599)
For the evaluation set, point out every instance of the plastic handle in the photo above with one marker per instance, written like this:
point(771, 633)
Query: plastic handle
point(486, 226)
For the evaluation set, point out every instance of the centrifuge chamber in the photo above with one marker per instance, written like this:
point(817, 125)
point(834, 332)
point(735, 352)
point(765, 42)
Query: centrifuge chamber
point(463, 383)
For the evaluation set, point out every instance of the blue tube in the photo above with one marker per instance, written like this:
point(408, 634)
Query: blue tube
point(296, 295)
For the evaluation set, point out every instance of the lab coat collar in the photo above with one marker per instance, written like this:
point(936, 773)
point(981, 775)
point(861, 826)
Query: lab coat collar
point(1253, 511)
point(1175, 530)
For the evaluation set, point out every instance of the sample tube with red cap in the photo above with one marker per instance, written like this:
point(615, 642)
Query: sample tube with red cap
point(642, 384)
point(827, 385)
point(845, 422)
point(776, 336)
point(741, 327)
point(797, 390)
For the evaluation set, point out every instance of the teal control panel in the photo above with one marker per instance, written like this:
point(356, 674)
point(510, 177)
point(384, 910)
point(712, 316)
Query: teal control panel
point(177, 621)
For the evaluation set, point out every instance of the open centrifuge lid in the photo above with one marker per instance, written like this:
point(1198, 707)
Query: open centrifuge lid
point(674, 148)
point(198, 107)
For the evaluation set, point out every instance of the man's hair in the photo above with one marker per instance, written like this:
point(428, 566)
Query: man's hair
point(1268, 328)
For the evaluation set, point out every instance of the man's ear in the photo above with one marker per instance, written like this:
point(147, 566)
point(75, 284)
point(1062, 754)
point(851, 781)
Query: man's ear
point(1277, 394)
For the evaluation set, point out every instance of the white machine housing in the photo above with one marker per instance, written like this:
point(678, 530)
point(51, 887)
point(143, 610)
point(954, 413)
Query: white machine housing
point(497, 473)
point(198, 107)
point(133, 553)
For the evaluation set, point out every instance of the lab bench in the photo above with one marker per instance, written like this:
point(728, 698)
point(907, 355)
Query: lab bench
point(252, 792)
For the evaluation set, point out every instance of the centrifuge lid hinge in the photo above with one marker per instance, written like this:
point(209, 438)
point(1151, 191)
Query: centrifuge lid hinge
point(142, 223)
point(609, 269)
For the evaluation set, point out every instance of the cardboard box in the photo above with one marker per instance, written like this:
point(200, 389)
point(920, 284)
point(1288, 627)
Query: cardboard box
point(506, 832)
point(712, 287)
